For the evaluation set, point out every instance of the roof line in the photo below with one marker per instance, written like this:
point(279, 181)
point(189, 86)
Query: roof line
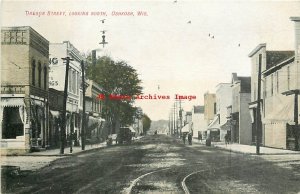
point(257, 48)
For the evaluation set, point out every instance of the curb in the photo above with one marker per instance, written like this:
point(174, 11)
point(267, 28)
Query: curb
point(54, 155)
point(246, 153)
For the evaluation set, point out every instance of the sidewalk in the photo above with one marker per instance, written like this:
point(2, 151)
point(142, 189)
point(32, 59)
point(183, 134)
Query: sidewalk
point(36, 160)
point(248, 149)
point(75, 150)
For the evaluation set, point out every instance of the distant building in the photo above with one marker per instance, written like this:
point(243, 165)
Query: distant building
point(138, 122)
point(198, 122)
point(95, 130)
point(187, 117)
point(24, 89)
point(223, 100)
point(209, 107)
point(239, 114)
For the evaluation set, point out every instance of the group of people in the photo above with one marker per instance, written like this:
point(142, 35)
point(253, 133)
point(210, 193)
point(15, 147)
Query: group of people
point(190, 136)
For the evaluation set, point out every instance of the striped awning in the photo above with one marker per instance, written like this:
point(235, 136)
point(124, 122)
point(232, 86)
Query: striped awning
point(12, 102)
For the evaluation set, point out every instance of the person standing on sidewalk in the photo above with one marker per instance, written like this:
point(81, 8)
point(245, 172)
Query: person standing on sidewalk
point(190, 138)
point(183, 137)
point(199, 136)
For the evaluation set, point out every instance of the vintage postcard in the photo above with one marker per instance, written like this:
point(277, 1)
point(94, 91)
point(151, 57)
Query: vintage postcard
point(141, 96)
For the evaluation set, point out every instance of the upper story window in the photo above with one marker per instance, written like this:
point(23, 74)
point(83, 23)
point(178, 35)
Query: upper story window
point(45, 77)
point(40, 74)
point(277, 82)
point(288, 77)
point(33, 72)
point(272, 85)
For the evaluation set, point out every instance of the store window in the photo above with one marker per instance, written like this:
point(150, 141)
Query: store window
point(12, 124)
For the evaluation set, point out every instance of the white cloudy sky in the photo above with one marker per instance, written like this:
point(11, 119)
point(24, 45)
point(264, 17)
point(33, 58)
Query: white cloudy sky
point(164, 48)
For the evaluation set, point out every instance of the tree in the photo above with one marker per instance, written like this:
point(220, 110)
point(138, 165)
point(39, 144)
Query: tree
point(119, 79)
point(146, 123)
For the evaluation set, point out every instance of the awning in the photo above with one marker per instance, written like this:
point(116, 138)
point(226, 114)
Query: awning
point(55, 114)
point(92, 121)
point(283, 111)
point(226, 126)
point(12, 102)
point(185, 128)
point(214, 123)
point(131, 129)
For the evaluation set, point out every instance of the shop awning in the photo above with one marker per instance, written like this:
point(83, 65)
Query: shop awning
point(185, 128)
point(92, 121)
point(12, 102)
point(131, 129)
point(226, 126)
point(283, 111)
point(214, 124)
point(55, 114)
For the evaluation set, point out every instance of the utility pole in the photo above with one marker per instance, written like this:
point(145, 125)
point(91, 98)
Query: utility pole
point(174, 110)
point(63, 127)
point(83, 109)
point(296, 120)
point(169, 123)
point(258, 115)
point(180, 116)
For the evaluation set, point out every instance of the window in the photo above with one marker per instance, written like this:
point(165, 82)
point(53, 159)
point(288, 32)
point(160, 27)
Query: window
point(288, 77)
point(45, 77)
point(277, 82)
point(69, 81)
point(13, 37)
point(33, 72)
point(12, 125)
point(272, 85)
point(215, 108)
point(40, 74)
point(73, 82)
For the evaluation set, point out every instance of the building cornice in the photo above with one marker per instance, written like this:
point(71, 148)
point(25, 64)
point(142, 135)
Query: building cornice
point(260, 46)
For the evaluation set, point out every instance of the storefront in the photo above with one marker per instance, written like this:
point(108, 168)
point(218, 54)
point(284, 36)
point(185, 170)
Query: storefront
point(13, 118)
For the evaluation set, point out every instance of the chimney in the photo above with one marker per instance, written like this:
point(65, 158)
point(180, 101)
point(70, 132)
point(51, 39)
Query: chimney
point(297, 36)
point(296, 20)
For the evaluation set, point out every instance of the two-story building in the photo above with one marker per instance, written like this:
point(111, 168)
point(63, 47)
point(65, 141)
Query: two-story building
point(209, 107)
point(95, 130)
point(280, 88)
point(198, 121)
point(223, 100)
point(24, 89)
point(239, 114)
point(57, 81)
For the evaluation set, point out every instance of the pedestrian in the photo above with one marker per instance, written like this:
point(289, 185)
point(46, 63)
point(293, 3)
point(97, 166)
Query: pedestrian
point(226, 139)
point(200, 136)
point(183, 137)
point(190, 138)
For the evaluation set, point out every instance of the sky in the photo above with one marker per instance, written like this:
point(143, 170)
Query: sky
point(172, 47)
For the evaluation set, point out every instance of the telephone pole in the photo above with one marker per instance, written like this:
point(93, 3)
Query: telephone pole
point(63, 127)
point(258, 115)
point(83, 124)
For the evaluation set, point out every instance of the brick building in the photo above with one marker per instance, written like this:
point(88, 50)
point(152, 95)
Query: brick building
point(24, 89)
